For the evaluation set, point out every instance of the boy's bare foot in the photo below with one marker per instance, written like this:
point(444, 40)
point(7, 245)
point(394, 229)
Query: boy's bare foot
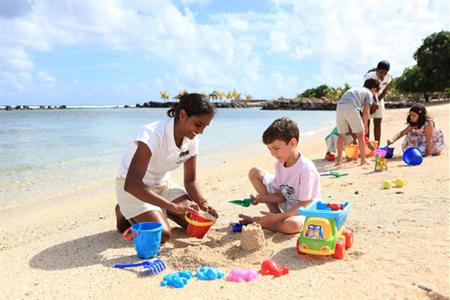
point(245, 219)
point(338, 163)
point(364, 163)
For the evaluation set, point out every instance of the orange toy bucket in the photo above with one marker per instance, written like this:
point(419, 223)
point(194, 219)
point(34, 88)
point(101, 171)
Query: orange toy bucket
point(198, 223)
point(351, 151)
point(370, 152)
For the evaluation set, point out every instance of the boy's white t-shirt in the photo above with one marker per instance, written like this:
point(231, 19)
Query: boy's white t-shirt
point(166, 156)
point(299, 182)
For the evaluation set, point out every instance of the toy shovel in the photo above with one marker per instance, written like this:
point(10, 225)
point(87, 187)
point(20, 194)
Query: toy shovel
point(245, 202)
point(335, 174)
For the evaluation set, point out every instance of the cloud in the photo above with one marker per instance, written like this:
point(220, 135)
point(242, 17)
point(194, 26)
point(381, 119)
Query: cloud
point(292, 46)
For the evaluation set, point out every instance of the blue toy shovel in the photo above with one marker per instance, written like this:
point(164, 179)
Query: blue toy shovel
point(155, 266)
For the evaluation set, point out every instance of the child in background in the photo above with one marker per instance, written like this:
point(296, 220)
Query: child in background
point(144, 189)
point(421, 132)
point(331, 141)
point(295, 184)
point(348, 115)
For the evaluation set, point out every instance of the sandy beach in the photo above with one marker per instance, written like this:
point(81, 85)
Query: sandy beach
point(67, 249)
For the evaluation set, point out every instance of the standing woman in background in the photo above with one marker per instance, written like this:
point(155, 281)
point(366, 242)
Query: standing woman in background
point(380, 73)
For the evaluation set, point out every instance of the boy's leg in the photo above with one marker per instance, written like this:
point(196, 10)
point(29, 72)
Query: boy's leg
point(340, 147)
point(290, 225)
point(361, 146)
point(256, 176)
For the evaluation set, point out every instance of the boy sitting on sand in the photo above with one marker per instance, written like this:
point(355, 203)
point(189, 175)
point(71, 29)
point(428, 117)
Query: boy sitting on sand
point(295, 184)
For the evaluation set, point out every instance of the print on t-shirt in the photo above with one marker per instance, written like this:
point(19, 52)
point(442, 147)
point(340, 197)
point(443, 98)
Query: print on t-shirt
point(288, 192)
point(182, 157)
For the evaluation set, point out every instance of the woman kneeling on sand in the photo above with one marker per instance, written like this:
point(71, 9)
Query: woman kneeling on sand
point(421, 132)
point(144, 189)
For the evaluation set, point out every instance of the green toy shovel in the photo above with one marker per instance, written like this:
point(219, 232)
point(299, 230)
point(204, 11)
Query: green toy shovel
point(245, 202)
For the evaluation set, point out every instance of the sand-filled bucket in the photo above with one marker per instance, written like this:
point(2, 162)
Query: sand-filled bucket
point(351, 151)
point(198, 223)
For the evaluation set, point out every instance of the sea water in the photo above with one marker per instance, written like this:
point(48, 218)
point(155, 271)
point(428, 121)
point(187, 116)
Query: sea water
point(43, 152)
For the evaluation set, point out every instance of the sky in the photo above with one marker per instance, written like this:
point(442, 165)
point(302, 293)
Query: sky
point(105, 52)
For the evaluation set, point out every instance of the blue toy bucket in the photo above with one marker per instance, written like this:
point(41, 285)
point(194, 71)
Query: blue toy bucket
point(146, 237)
point(389, 151)
point(412, 156)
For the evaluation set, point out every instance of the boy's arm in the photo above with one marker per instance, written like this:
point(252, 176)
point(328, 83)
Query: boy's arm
point(366, 119)
point(273, 198)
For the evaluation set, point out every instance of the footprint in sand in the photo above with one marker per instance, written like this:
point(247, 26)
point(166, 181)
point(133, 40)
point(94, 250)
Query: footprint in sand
point(355, 254)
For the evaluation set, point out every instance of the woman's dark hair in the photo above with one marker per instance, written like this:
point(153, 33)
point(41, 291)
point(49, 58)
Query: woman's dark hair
point(283, 129)
point(383, 65)
point(193, 104)
point(422, 112)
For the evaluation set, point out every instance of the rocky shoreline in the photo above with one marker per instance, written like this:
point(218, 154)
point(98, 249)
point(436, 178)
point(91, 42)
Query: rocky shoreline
point(279, 104)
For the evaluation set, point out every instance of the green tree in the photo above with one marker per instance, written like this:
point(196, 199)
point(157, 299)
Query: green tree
point(411, 81)
point(433, 61)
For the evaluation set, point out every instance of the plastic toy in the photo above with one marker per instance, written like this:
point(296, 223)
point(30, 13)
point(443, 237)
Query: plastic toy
point(146, 237)
point(330, 156)
point(271, 267)
point(240, 275)
point(324, 232)
point(380, 161)
point(245, 202)
point(208, 273)
point(199, 223)
point(389, 151)
point(400, 182)
point(177, 280)
point(335, 174)
point(412, 156)
point(155, 266)
point(236, 227)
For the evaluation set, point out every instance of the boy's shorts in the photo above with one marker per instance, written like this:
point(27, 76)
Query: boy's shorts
point(130, 206)
point(348, 116)
point(283, 206)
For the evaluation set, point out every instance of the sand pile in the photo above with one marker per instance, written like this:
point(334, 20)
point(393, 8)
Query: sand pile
point(252, 238)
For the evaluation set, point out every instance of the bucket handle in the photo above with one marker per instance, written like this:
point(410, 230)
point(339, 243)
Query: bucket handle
point(197, 223)
point(129, 237)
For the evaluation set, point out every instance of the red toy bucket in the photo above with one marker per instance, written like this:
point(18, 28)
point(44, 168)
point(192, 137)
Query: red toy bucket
point(198, 223)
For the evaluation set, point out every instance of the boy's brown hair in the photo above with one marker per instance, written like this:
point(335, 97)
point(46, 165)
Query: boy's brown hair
point(283, 129)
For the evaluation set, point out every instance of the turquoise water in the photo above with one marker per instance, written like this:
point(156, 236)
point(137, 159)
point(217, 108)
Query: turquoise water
point(45, 152)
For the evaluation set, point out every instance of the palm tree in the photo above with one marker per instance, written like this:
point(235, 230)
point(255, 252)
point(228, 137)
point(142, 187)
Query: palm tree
point(221, 95)
point(164, 95)
point(180, 94)
point(214, 95)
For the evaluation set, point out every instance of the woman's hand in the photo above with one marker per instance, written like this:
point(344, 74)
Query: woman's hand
point(185, 206)
point(205, 207)
point(389, 142)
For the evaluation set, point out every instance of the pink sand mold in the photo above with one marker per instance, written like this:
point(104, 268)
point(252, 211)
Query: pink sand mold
point(240, 275)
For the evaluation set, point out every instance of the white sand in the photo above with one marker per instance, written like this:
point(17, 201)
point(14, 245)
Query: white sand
point(67, 249)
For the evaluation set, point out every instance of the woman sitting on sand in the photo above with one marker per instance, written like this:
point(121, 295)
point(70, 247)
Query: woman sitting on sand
point(144, 189)
point(421, 132)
